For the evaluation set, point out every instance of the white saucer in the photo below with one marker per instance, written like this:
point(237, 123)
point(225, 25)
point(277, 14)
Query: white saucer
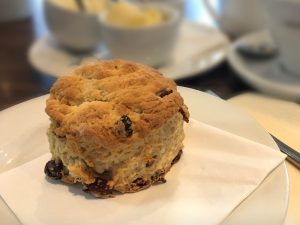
point(266, 75)
point(199, 49)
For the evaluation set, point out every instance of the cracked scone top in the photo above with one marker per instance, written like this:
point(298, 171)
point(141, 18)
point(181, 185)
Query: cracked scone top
point(116, 126)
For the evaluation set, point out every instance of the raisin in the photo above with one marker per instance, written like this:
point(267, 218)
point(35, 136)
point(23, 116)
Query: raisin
point(161, 180)
point(185, 117)
point(158, 175)
point(150, 162)
point(106, 175)
point(124, 126)
point(61, 136)
point(164, 92)
point(176, 159)
point(54, 169)
point(99, 186)
point(140, 182)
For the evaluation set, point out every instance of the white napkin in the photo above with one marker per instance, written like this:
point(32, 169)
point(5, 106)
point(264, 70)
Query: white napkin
point(217, 171)
point(282, 119)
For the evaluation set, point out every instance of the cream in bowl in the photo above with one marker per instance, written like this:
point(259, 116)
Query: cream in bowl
point(145, 33)
point(73, 27)
point(130, 15)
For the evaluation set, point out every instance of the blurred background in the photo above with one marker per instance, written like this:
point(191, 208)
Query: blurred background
point(22, 25)
point(224, 46)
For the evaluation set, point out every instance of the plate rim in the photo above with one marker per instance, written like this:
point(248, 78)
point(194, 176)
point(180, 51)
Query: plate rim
point(257, 80)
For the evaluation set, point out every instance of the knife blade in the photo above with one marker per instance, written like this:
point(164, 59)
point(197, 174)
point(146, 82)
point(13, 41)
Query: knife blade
point(292, 155)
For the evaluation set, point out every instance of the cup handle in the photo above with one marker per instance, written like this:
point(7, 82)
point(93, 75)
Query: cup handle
point(213, 13)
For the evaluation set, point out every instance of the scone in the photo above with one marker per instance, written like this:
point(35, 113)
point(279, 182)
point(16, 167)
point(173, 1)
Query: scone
point(116, 127)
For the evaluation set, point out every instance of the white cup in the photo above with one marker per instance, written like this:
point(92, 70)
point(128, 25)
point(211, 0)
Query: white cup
point(79, 31)
point(152, 45)
point(284, 22)
point(237, 17)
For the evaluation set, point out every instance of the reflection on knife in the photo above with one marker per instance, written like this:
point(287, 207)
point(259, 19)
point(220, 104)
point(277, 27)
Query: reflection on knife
point(293, 155)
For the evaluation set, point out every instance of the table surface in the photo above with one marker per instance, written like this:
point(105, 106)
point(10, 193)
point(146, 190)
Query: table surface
point(20, 82)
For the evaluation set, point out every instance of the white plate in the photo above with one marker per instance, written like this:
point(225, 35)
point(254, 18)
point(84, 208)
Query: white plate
point(266, 75)
point(199, 49)
point(269, 201)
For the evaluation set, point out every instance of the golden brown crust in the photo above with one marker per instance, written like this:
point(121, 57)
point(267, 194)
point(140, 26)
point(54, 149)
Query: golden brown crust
point(87, 104)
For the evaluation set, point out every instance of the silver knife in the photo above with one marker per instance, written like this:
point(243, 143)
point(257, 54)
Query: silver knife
point(292, 155)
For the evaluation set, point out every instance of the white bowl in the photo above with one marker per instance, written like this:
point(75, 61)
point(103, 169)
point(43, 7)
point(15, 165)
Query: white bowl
point(75, 30)
point(177, 4)
point(152, 45)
